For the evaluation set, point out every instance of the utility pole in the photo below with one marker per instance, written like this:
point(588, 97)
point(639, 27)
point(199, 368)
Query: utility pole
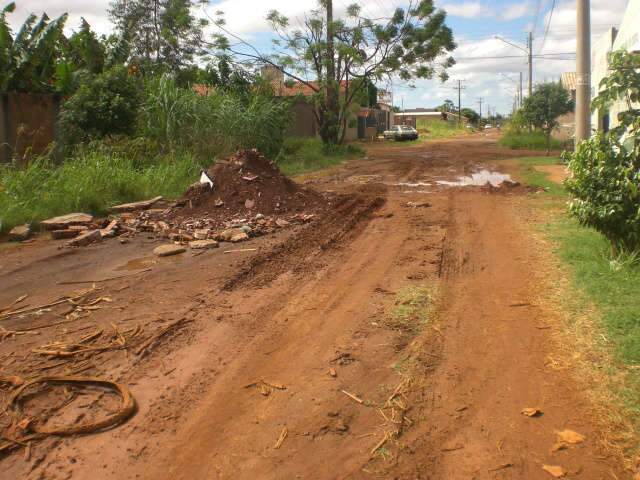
point(480, 102)
point(459, 88)
point(530, 44)
point(520, 97)
point(583, 71)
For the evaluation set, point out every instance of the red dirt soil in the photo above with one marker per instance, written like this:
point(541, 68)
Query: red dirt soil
point(293, 365)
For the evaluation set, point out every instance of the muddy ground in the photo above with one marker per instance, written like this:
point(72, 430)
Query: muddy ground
point(292, 360)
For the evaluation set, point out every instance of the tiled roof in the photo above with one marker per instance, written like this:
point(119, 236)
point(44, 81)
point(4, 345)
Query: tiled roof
point(568, 80)
point(298, 88)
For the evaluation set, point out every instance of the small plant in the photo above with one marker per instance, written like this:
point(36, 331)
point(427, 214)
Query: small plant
point(605, 169)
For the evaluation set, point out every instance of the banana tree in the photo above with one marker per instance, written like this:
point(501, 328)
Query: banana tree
point(28, 60)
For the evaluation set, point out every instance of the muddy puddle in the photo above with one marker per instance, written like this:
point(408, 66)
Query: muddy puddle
point(146, 262)
point(479, 178)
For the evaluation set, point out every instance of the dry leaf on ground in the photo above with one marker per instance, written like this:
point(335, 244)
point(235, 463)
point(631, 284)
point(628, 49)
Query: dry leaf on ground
point(531, 412)
point(569, 436)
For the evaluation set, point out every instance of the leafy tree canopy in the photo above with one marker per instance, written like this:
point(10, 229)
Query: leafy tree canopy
point(545, 105)
point(328, 54)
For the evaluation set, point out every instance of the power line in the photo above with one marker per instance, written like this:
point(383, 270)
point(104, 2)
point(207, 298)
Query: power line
point(546, 32)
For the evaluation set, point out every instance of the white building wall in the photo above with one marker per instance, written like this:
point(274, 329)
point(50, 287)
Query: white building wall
point(627, 38)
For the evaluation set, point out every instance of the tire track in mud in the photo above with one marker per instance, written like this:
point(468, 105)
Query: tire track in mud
point(336, 227)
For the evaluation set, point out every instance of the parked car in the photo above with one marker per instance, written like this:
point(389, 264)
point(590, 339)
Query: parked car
point(401, 132)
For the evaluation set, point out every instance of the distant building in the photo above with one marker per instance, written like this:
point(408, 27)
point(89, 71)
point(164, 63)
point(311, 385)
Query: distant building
point(416, 116)
point(627, 37)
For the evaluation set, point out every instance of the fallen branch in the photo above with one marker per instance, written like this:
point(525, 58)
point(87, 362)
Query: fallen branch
point(145, 347)
point(6, 315)
point(127, 408)
point(241, 250)
point(352, 397)
point(283, 435)
point(78, 282)
point(15, 302)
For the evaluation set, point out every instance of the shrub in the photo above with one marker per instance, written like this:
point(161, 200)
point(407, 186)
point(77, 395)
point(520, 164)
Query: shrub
point(605, 185)
point(605, 169)
point(104, 104)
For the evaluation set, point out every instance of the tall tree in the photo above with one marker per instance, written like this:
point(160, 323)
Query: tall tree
point(163, 34)
point(327, 54)
point(544, 106)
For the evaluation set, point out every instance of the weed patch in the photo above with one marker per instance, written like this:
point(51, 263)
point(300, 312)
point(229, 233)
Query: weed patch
point(301, 155)
point(528, 141)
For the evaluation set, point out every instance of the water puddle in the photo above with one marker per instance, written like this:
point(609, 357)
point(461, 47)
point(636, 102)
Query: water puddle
point(138, 264)
point(479, 179)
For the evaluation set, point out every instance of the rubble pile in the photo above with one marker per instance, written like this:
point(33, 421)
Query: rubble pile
point(241, 198)
point(248, 181)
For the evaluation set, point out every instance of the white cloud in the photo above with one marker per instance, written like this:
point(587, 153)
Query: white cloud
point(94, 11)
point(476, 9)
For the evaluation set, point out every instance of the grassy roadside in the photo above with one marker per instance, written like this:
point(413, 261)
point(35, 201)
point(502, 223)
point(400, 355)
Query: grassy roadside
point(600, 300)
point(304, 155)
point(527, 141)
point(92, 181)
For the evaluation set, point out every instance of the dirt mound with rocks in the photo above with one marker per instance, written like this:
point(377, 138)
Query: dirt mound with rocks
point(248, 183)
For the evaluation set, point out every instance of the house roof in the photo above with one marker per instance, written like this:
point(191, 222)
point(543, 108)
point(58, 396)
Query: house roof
point(281, 89)
point(568, 80)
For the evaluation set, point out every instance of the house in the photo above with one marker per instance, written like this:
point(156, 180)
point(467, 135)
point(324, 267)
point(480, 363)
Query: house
point(364, 122)
point(626, 37)
point(421, 116)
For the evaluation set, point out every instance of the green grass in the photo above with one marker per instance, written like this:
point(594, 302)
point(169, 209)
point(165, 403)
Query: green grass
point(412, 309)
point(597, 280)
point(439, 130)
point(528, 141)
point(535, 178)
point(91, 182)
point(302, 155)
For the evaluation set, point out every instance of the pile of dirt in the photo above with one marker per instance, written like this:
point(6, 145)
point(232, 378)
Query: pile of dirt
point(248, 183)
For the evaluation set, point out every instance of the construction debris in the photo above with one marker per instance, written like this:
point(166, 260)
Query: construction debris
point(65, 221)
point(20, 233)
point(131, 207)
point(85, 239)
point(168, 250)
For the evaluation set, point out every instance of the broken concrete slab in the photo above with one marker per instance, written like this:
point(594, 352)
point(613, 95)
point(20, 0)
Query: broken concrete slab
point(168, 250)
point(203, 244)
point(20, 233)
point(64, 234)
point(133, 206)
point(85, 239)
point(64, 221)
point(110, 230)
point(239, 237)
point(201, 234)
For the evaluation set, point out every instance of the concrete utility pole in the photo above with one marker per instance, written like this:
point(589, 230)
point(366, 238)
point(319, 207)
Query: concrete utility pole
point(480, 102)
point(530, 44)
point(583, 71)
point(520, 97)
point(459, 88)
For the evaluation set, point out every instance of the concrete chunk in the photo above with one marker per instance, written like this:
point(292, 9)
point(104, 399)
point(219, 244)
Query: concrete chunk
point(64, 221)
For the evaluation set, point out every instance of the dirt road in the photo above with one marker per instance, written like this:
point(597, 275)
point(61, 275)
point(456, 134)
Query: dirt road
point(399, 337)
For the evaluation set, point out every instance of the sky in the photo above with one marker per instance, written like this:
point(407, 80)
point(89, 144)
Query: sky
point(488, 67)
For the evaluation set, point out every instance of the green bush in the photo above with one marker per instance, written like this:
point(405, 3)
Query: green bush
point(605, 185)
point(605, 180)
point(104, 104)
point(521, 140)
point(299, 155)
point(90, 181)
